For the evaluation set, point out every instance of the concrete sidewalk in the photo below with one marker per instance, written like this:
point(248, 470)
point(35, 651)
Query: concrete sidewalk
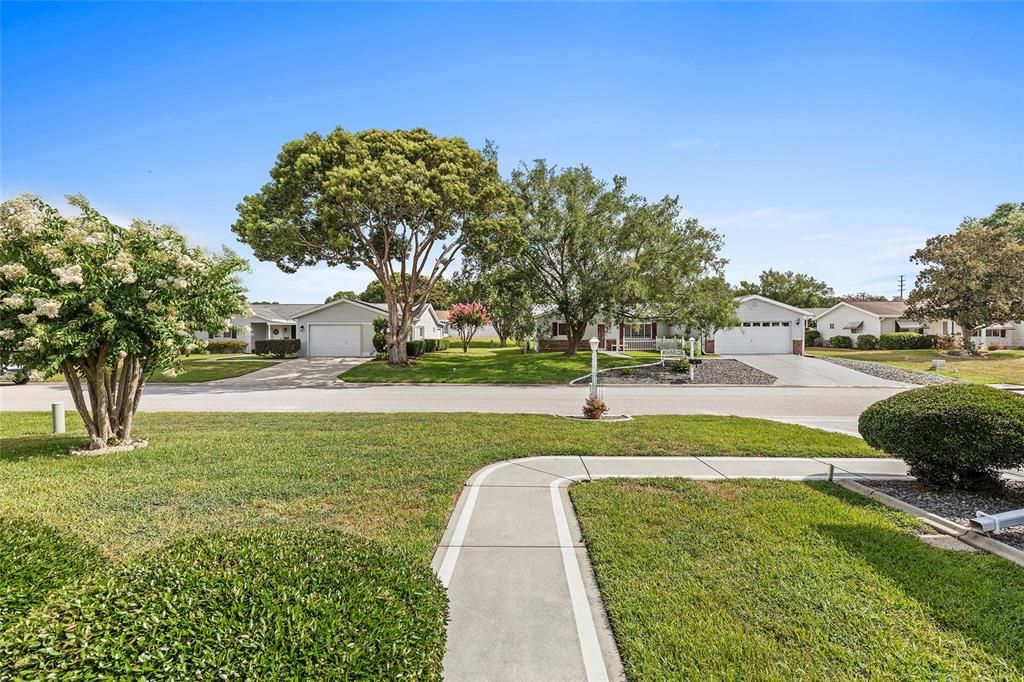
point(523, 600)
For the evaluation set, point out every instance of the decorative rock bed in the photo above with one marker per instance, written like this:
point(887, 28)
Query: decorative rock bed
point(877, 369)
point(711, 371)
point(959, 506)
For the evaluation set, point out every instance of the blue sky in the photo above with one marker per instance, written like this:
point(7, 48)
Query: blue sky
point(830, 139)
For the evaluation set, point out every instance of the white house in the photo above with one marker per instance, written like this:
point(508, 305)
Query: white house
point(766, 327)
point(342, 328)
point(853, 318)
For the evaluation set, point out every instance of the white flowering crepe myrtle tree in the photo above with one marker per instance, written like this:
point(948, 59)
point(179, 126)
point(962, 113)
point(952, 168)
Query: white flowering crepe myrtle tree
point(105, 305)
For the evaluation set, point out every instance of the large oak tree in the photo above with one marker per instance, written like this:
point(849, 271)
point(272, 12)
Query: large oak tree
point(974, 277)
point(592, 250)
point(402, 203)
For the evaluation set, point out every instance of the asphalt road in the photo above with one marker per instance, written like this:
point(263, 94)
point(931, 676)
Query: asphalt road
point(823, 407)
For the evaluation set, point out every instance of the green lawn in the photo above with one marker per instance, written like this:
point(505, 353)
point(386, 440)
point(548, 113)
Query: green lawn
point(998, 367)
point(387, 477)
point(774, 580)
point(485, 365)
point(155, 560)
point(206, 367)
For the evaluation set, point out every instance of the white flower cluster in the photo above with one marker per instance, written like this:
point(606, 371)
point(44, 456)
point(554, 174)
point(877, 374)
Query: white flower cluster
point(46, 307)
point(21, 216)
point(72, 274)
point(6, 334)
point(31, 343)
point(14, 301)
point(121, 267)
point(13, 270)
point(28, 319)
point(52, 253)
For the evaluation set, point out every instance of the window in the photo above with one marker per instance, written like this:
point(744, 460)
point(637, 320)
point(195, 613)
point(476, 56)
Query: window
point(638, 331)
point(561, 329)
point(746, 324)
point(831, 325)
point(784, 324)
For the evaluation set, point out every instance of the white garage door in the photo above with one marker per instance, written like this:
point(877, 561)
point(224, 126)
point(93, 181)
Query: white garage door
point(334, 340)
point(755, 337)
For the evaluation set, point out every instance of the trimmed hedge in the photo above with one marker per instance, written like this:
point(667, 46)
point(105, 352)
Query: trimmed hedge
point(951, 435)
point(271, 604)
point(414, 349)
point(278, 348)
point(811, 337)
point(867, 341)
point(35, 560)
point(840, 341)
point(905, 341)
point(225, 345)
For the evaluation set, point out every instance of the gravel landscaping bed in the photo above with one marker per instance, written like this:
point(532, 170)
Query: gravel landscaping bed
point(959, 506)
point(882, 371)
point(707, 372)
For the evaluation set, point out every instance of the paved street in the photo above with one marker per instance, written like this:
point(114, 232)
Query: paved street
point(523, 599)
point(835, 408)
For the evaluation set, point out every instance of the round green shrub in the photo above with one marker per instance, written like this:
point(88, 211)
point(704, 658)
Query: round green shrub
point(271, 604)
point(35, 560)
point(680, 365)
point(840, 341)
point(811, 337)
point(867, 341)
point(951, 435)
point(905, 341)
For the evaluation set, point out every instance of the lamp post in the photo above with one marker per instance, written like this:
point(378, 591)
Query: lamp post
point(593, 366)
point(692, 342)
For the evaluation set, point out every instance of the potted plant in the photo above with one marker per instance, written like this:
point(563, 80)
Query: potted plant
point(594, 408)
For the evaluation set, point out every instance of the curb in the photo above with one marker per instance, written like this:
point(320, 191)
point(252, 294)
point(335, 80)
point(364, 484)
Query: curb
point(943, 525)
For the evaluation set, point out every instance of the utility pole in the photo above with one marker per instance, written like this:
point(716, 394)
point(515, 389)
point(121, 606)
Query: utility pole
point(901, 286)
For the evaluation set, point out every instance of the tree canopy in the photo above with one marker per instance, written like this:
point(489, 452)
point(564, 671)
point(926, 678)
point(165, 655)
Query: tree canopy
point(974, 277)
point(344, 293)
point(860, 296)
point(105, 305)
point(402, 203)
point(1009, 215)
point(592, 249)
point(792, 288)
point(441, 295)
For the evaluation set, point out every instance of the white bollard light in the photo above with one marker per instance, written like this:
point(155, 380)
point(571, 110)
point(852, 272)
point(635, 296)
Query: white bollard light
point(57, 410)
point(692, 342)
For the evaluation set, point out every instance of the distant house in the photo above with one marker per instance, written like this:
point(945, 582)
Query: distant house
point(766, 327)
point(341, 328)
point(853, 318)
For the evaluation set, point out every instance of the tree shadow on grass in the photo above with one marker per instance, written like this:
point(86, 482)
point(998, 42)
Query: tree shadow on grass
point(35, 561)
point(979, 595)
point(22, 448)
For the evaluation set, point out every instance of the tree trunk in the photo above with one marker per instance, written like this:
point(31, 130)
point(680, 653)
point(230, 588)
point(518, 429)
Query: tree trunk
point(575, 335)
point(114, 391)
point(966, 328)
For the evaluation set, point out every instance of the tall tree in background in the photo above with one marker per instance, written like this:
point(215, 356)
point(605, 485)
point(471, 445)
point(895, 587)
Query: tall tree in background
point(441, 295)
point(593, 250)
point(1008, 215)
point(404, 204)
point(974, 277)
point(338, 295)
point(860, 296)
point(506, 292)
point(792, 288)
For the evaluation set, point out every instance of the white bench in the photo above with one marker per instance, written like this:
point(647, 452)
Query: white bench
point(672, 353)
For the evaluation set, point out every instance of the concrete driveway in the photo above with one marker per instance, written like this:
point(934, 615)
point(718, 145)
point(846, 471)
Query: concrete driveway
point(799, 370)
point(295, 373)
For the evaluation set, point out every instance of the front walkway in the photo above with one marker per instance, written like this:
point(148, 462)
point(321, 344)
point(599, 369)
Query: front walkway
point(523, 601)
point(801, 370)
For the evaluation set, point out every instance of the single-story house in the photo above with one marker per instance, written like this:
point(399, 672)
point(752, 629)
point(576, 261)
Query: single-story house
point(766, 327)
point(853, 318)
point(341, 328)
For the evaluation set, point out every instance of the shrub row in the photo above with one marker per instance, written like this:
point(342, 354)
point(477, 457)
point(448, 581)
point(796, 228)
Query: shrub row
point(35, 560)
point(278, 348)
point(270, 604)
point(905, 341)
point(416, 348)
point(950, 435)
point(225, 345)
